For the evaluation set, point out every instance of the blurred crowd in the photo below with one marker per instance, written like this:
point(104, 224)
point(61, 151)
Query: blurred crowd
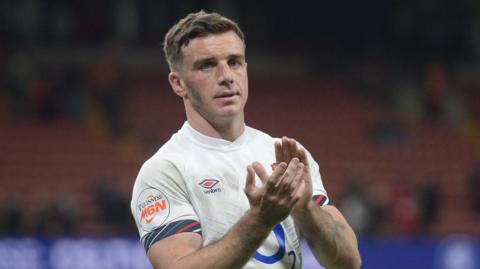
point(441, 87)
point(63, 216)
point(431, 93)
point(94, 96)
point(402, 208)
point(89, 95)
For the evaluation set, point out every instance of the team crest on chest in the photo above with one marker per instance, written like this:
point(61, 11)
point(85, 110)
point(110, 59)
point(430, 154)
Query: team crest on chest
point(210, 186)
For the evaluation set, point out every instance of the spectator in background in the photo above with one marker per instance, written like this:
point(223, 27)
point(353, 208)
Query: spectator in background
point(113, 205)
point(388, 132)
point(357, 208)
point(473, 189)
point(56, 217)
point(17, 75)
point(442, 102)
point(407, 102)
point(428, 204)
point(64, 213)
point(435, 87)
point(44, 99)
point(364, 203)
point(106, 90)
point(11, 217)
point(404, 209)
point(379, 195)
point(72, 94)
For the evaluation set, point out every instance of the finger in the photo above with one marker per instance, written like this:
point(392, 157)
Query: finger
point(289, 184)
point(298, 177)
point(287, 156)
point(275, 177)
point(302, 155)
point(293, 148)
point(260, 171)
point(289, 172)
point(297, 195)
point(250, 181)
point(278, 152)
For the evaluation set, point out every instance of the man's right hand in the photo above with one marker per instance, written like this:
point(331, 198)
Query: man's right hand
point(274, 200)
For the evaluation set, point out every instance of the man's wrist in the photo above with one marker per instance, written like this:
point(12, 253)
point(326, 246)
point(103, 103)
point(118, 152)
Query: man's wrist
point(304, 213)
point(254, 218)
point(252, 230)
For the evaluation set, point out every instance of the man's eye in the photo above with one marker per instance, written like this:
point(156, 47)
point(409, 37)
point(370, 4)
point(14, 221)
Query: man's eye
point(234, 63)
point(206, 66)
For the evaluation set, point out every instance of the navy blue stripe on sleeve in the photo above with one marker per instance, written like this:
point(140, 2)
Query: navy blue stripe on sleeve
point(180, 226)
point(321, 200)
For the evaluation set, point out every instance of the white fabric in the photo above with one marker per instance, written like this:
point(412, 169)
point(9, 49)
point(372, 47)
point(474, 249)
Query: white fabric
point(172, 179)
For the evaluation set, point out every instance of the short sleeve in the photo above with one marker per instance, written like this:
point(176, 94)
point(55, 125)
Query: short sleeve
point(160, 204)
point(319, 194)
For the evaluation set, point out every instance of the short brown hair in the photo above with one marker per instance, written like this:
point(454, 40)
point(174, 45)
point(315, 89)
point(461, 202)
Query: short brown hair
point(195, 25)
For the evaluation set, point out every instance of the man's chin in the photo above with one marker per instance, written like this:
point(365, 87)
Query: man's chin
point(230, 112)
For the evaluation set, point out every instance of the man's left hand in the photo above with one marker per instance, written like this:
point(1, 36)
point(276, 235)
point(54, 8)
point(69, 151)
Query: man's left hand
point(285, 151)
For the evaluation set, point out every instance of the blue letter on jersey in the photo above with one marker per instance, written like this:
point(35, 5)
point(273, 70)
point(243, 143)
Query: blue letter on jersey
point(292, 253)
point(280, 235)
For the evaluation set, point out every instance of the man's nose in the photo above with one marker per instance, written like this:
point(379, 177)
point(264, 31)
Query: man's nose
point(225, 75)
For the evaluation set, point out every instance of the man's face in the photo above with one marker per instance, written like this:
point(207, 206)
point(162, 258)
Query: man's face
point(214, 75)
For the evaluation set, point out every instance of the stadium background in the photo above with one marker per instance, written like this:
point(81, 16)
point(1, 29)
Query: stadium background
point(385, 94)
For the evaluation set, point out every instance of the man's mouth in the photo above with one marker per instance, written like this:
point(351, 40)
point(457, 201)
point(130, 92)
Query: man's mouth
point(226, 95)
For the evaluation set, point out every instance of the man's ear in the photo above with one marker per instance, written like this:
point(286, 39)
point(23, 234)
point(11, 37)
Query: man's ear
point(177, 84)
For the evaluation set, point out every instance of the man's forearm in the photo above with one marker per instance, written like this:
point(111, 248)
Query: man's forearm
point(332, 241)
point(233, 250)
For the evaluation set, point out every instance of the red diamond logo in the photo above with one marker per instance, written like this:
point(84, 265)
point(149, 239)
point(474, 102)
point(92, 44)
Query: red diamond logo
point(209, 183)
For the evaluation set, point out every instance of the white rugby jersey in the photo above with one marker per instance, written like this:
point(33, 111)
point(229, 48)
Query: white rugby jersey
point(195, 183)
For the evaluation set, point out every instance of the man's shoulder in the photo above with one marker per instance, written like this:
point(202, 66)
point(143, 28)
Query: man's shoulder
point(168, 155)
point(260, 135)
point(161, 168)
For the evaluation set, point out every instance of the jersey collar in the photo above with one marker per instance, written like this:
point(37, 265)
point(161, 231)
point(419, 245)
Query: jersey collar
point(211, 142)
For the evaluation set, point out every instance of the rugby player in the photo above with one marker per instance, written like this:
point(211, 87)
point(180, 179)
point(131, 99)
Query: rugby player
point(220, 194)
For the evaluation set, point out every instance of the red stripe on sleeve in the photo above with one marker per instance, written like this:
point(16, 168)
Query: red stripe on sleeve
point(319, 199)
point(188, 226)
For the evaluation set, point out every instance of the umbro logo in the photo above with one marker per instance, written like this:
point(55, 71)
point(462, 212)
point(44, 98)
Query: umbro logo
point(209, 186)
point(209, 183)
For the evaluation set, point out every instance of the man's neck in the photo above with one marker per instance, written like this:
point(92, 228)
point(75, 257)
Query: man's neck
point(227, 129)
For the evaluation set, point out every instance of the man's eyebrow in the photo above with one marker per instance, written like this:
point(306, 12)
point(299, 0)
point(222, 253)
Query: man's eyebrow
point(236, 56)
point(201, 61)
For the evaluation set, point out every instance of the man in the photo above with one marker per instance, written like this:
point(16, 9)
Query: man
point(205, 199)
